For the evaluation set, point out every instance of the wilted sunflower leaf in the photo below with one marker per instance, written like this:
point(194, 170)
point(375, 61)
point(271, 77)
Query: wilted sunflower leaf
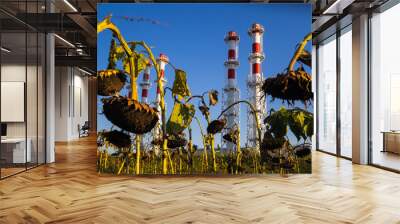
point(139, 64)
point(119, 52)
point(296, 124)
point(112, 57)
point(181, 117)
point(213, 97)
point(126, 65)
point(180, 86)
point(301, 123)
point(278, 122)
point(309, 124)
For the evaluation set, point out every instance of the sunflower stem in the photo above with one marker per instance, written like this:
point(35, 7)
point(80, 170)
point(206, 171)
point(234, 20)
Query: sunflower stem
point(239, 152)
point(107, 24)
point(213, 153)
point(138, 154)
point(298, 53)
point(122, 166)
point(255, 114)
point(180, 160)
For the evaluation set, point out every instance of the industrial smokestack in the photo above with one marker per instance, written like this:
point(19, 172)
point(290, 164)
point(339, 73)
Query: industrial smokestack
point(231, 91)
point(254, 84)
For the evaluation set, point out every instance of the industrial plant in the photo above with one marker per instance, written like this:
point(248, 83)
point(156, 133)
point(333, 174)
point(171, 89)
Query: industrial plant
point(147, 137)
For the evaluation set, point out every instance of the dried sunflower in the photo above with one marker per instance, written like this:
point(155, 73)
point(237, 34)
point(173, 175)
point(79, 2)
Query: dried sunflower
point(232, 135)
point(157, 141)
point(286, 165)
point(110, 82)
point(176, 141)
point(302, 150)
point(213, 97)
point(269, 142)
point(216, 126)
point(117, 138)
point(129, 114)
point(204, 110)
point(290, 86)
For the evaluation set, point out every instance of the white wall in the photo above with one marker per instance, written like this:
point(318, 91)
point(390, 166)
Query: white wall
point(71, 102)
point(14, 73)
point(33, 127)
point(62, 82)
point(80, 97)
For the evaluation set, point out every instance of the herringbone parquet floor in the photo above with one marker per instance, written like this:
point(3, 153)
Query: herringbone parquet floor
point(70, 191)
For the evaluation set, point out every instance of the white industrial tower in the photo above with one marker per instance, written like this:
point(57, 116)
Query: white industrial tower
point(162, 61)
point(254, 84)
point(231, 92)
point(145, 84)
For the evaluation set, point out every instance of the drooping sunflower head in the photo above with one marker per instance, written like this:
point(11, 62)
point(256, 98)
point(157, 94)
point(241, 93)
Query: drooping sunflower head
point(118, 139)
point(290, 86)
point(110, 82)
point(216, 126)
point(130, 115)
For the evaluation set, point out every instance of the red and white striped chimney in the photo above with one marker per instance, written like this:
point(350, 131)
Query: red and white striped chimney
point(231, 91)
point(255, 81)
point(162, 62)
point(146, 83)
point(232, 39)
point(257, 56)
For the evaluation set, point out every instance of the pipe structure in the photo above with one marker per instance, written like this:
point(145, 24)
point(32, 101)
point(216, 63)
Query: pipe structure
point(162, 61)
point(231, 91)
point(255, 81)
point(145, 84)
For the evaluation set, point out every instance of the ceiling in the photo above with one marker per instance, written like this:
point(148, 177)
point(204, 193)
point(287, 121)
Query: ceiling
point(72, 20)
point(75, 21)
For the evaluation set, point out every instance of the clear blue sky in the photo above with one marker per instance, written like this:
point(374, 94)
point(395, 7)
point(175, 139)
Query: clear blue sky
point(192, 35)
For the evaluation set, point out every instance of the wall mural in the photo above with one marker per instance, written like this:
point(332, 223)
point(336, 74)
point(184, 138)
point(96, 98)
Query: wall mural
point(175, 97)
